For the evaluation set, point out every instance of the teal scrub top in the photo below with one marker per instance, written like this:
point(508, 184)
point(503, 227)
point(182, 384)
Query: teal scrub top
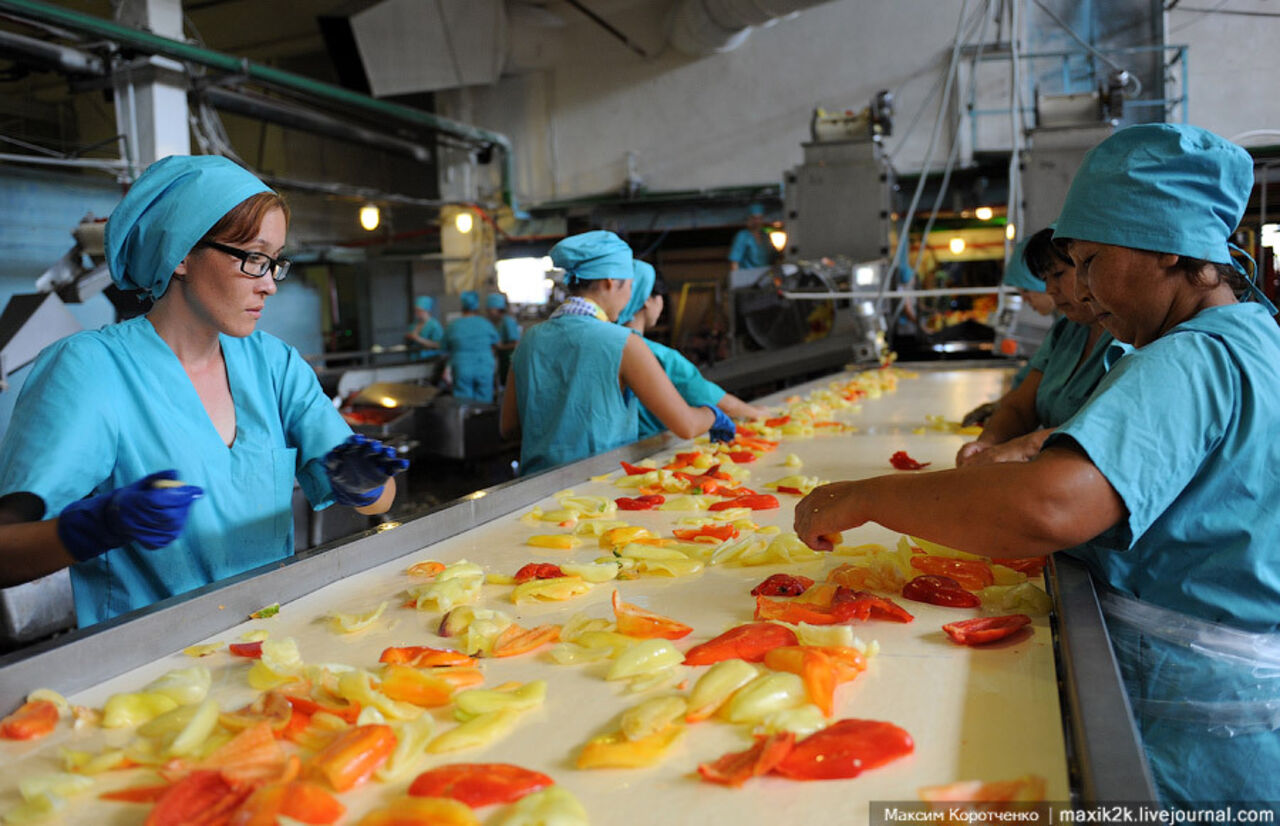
point(102, 409)
point(693, 388)
point(1184, 429)
point(469, 341)
point(567, 391)
point(508, 330)
point(748, 251)
point(431, 330)
point(1064, 388)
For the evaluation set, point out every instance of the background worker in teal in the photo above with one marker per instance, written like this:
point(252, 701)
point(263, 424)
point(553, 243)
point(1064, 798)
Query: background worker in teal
point(751, 248)
point(642, 312)
point(1165, 482)
point(469, 341)
point(1060, 376)
point(187, 392)
point(426, 334)
point(577, 378)
point(495, 307)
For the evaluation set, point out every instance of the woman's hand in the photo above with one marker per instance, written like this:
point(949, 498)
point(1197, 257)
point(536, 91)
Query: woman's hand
point(826, 512)
point(970, 451)
point(1022, 449)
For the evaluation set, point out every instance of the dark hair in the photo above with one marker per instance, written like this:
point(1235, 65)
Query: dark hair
point(1194, 270)
point(243, 221)
point(1042, 255)
point(659, 285)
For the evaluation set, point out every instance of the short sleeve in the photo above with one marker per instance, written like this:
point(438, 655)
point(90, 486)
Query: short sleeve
point(63, 436)
point(1154, 419)
point(311, 424)
point(686, 377)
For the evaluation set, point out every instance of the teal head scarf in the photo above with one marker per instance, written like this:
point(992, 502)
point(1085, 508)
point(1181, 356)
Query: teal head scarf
point(470, 300)
point(166, 211)
point(495, 301)
point(641, 288)
point(425, 303)
point(592, 256)
point(1018, 274)
point(756, 209)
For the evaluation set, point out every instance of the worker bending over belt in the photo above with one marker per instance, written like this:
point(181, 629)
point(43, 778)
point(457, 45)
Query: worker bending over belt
point(1166, 481)
point(642, 313)
point(1063, 372)
point(576, 377)
point(189, 390)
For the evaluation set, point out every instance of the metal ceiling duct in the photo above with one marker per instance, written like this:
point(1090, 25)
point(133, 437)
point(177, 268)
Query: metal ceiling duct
point(700, 28)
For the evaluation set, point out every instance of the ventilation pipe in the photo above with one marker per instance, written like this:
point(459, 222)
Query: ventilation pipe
point(701, 28)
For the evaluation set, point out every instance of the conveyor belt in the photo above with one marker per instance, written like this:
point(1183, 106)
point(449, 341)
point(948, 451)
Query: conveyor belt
point(975, 714)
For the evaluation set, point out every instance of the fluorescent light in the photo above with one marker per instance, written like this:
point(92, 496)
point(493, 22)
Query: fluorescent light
point(370, 217)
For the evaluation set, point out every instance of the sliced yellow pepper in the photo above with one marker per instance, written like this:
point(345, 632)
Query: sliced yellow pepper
point(559, 541)
point(615, 751)
point(556, 589)
point(478, 731)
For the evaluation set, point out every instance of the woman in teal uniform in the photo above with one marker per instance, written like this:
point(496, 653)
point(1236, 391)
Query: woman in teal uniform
point(577, 379)
point(1166, 479)
point(750, 247)
point(469, 341)
point(189, 389)
point(426, 333)
point(642, 313)
point(495, 305)
point(1061, 375)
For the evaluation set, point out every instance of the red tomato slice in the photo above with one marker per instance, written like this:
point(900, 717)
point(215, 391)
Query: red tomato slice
point(782, 585)
point(738, 767)
point(748, 642)
point(970, 573)
point(940, 590)
point(635, 621)
point(31, 721)
point(846, 748)
point(249, 650)
point(479, 784)
point(538, 570)
point(982, 630)
point(902, 461)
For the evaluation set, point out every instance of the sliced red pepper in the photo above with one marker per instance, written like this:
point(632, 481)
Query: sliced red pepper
point(354, 755)
point(878, 607)
point(778, 421)
point(270, 707)
point(745, 430)
point(309, 706)
point(683, 460)
point(846, 748)
point(970, 573)
point(298, 800)
point(515, 640)
point(421, 688)
point(789, 489)
point(742, 457)
point(782, 585)
point(750, 442)
point(249, 650)
point(32, 720)
point(738, 767)
point(538, 570)
point(200, 797)
point(479, 784)
point(902, 461)
point(982, 630)
point(718, 532)
point(137, 794)
point(940, 590)
point(635, 621)
point(794, 612)
point(635, 470)
point(756, 502)
point(1029, 565)
point(421, 656)
point(640, 503)
point(748, 642)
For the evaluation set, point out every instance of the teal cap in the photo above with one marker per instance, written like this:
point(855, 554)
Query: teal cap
point(592, 256)
point(470, 300)
point(166, 211)
point(641, 289)
point(1018, 274)
point(495, 301)
point(1160, 187)
point(425, 303)
point(757, 209)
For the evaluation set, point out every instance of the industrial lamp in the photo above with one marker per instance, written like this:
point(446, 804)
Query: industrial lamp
point(778, 239)
point(957, 245)
point(370, 216)
point(463, 221)
point(984, 213)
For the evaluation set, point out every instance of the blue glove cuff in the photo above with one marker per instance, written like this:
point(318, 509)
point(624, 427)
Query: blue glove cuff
point(356, 498)
point(84, 531)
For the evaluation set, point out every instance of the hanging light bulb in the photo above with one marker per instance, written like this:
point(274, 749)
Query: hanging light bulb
point(778, 239)
point(463, 221)
point(957, 245)
point(984, 213)
point(370, 216)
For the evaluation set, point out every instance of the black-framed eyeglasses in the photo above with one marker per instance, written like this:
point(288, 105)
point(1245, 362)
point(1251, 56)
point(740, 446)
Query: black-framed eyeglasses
point(253, 264)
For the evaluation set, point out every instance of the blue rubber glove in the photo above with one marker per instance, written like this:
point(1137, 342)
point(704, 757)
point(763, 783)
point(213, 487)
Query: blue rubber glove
point(143, 513)
point(722, 429)
point(359, 469)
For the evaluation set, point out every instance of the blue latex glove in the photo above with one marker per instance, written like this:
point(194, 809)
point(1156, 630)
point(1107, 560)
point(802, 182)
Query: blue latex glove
point(722, 429)
point(143, 513)
point(359, 468)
